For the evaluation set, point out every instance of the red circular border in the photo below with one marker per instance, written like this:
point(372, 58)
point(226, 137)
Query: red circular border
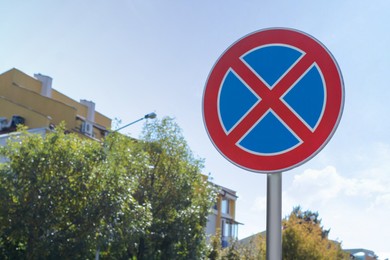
point(310, 147)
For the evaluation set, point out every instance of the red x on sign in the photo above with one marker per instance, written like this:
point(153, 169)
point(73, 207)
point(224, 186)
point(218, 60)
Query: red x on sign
point(270, 98)
point(273, 100)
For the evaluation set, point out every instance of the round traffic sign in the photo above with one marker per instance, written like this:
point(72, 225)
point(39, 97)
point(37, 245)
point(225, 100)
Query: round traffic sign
point(273, 100)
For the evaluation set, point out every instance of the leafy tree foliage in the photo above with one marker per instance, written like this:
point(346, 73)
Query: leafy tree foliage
point(179, 196)
point(303, 238)
point(254, 249)
point(62, 197)
point(215, 246)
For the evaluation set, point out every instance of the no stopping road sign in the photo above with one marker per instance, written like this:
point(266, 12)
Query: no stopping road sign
point(273, 100)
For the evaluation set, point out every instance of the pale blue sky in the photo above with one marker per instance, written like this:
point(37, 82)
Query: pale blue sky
point(135, 57)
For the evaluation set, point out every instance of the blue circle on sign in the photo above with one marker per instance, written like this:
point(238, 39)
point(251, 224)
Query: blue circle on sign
point(306, 98)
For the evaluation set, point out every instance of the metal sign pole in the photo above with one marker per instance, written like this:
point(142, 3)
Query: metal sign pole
point(274, 216)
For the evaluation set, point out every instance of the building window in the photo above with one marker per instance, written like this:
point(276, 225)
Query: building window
point(229, 232)
point(225, 206)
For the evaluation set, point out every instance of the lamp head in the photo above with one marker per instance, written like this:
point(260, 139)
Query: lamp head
point(150, 115)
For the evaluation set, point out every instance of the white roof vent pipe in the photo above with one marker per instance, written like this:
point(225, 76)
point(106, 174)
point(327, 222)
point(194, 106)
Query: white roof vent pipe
point(91, 109)
point(46, 84)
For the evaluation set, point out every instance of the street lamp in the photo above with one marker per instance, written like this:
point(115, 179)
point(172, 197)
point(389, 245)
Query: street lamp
point(147, 116)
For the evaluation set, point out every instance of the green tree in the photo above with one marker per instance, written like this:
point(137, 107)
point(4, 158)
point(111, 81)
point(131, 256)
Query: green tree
point(130, 219)
point(305, 238)
point(179, 196)
point(215, 246)
point(254, 250)
point(63, 197)
point(232, 252)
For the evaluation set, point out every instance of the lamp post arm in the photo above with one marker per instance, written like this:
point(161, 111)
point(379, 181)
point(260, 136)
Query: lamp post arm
point(120, 128)
point(147, 116)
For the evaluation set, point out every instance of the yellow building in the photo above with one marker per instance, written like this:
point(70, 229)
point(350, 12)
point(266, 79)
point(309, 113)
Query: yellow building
point(34, 101)
point(223, 216)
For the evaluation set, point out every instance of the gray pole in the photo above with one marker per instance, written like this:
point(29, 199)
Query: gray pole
point(274, 216)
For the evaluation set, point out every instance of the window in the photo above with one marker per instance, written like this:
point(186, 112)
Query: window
point(229, 231)
point(225, 206)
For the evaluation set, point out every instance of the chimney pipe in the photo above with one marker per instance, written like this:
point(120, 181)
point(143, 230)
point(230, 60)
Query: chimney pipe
point(91, 109)
point(46, 84)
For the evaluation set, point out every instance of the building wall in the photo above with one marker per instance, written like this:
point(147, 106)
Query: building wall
point(33, 118)
point(211, 227)
point(102, 119)
point(21, 79)
point(81, 109)
point(223, 216)
point(23, 95)
point(57, 111)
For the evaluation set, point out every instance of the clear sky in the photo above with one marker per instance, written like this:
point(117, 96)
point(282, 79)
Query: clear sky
point(141, 56)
